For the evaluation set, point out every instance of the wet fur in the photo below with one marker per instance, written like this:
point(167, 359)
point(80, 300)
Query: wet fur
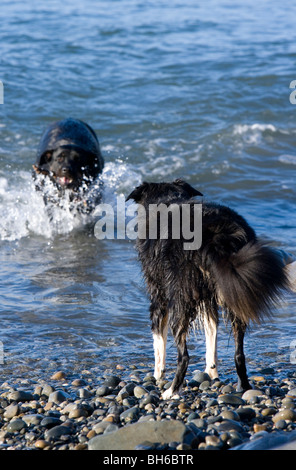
point(69, 155)
point(231, 270)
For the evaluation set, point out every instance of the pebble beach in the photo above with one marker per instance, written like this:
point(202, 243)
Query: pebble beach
point(122, 409)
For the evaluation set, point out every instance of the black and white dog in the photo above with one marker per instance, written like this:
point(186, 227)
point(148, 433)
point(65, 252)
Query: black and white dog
point(69, 155)
point(231, 270)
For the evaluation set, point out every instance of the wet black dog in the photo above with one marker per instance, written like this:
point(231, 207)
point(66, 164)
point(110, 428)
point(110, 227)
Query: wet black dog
point(69, 154)
point(231, 270)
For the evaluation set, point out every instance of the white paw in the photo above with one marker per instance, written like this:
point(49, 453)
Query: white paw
point(169, 394)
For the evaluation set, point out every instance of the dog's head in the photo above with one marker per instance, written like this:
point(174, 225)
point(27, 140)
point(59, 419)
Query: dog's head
point(154, 193)
point(68, 166)
point(69, 154)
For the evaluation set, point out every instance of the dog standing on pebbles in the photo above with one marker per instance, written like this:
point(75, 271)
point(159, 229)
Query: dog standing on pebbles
point(231, 270)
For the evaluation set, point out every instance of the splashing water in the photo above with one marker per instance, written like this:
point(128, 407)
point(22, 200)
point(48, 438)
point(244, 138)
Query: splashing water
point(24, 212)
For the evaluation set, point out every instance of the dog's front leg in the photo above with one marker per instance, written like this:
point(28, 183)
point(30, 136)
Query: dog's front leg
point(210, 326)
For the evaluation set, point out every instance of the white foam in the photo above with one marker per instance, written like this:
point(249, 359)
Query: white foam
point(288, 159)
point(252, 133)
point(24, 213)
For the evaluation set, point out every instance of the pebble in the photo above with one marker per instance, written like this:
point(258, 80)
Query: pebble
point(56, 432)
point(285, 414)
point(230, 399)
point(59, 396)
point(20, 395)
point(11, 411)
point(140, 392)
point(16, 425)
point(249, 394)
point(246, 413)
point(55, 414)
point(59, 375)
point(41, 444)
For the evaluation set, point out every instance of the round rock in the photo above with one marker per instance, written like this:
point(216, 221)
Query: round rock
point(20, 395)
point(231, 399)
point(249, 394)
point(59, 396)
point(200, 377)
point(16, 425)
point(286, 414)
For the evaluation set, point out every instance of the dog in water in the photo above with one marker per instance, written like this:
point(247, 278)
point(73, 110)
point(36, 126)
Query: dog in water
point(231, 270)
point(69, 155)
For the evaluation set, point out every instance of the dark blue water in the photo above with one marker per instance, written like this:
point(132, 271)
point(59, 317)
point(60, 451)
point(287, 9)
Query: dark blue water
point(198, 90)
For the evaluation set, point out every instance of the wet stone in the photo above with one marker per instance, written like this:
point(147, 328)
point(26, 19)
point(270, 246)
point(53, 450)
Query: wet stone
point(140, 392)
point(200, 377)
point(57, 431)
point(11, 411)
point(47, 390)
point(50, 421)
point(285, 414)
point(112, 381)
point(249, 394)
point(230, 399)
point(59, 375)
point(246, 413)
point(16, 425)
point(20, 395)
point(130, 415)
point(103, 391)
point(59, 396)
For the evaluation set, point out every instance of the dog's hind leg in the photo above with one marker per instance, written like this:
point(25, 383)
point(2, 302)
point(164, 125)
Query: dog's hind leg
point(182, 364)
point(159, 343)
point(210, 327)
point(239, 329)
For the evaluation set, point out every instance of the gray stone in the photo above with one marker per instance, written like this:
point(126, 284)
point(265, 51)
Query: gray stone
point(11, 411)
point(103, 391)
point(205, 385)
point(20, 395)
point(229, 425)
point(34, 419)
point(84, 393)
point(229, 414)
point(227, 389)
point(16, 425)
point(112, 381)
point(249, 394)
point(231, 399)
point(246, 413)
point(131, 414)
point(50, 421)
point(47, 390)
point(200, 376)
point(128, 437)
point(140, 392)
point(279, 440)
point(57, 431)
point(59, 396)
point(127, 390)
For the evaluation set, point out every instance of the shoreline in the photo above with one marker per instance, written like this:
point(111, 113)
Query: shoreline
point(123, 410)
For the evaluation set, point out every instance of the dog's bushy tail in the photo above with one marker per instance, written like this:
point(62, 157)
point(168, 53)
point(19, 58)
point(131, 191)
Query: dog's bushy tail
point(250, 281)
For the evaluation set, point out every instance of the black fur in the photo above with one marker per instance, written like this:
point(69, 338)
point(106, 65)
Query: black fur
point(231, 270)
point(69, 154)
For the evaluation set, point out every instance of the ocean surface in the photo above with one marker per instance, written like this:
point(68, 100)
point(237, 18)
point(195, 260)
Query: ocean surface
point(198, 90)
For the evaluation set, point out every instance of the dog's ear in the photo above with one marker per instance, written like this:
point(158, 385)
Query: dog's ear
point(187, 188)
point(40, 170)
point(137, 193)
